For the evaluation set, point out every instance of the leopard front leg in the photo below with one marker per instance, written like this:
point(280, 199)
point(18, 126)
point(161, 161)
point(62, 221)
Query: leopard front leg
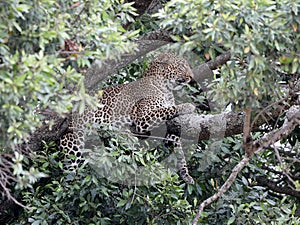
point(149, 113)
point(73, 143)
point(185, 108)
point(182, 164)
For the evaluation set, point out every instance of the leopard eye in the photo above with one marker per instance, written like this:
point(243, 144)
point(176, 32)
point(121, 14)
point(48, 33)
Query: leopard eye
point(180, 80)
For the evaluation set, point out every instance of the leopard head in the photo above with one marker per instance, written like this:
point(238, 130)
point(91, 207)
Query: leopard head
point(172, 68)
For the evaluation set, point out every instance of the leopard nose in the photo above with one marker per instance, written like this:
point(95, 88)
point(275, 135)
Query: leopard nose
point(180, 80)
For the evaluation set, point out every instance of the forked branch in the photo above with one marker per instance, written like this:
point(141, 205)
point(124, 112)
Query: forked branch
point(291, 121)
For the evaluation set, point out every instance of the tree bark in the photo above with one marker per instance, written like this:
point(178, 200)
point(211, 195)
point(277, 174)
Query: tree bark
point(204, 127)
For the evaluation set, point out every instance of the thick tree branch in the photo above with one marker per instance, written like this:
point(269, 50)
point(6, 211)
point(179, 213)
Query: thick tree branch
point(203, 73)
point(46, 134)
point(203, 127)
point(218, 61)
point(265, 182)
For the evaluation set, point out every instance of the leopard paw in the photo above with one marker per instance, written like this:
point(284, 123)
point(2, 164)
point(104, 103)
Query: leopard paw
point(185, 108)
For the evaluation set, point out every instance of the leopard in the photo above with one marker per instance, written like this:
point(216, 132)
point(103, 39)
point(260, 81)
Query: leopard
point(140, 105)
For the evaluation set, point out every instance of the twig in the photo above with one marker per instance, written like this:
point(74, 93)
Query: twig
point(265, 109)
point(10, 197)
point(291, 159)
point(284, 171)
point(247, 140)
point(134, 192)
point(77, 18)
point(224, 187)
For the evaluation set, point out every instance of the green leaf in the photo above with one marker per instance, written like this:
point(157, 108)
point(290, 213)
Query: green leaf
point(121, 203)
point(231, 220)
point(23, 8)
point(17, 26)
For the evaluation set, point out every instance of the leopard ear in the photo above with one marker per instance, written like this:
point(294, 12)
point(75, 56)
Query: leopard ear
point(164, 58)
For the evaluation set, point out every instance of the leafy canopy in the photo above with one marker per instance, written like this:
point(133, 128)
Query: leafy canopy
point(45, 47)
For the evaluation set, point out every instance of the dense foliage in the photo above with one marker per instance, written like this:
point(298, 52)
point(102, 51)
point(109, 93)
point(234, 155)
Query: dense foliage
point(257, 33)
point(47, 45)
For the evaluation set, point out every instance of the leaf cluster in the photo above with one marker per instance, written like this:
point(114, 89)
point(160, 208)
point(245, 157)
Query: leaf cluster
point(262, 37)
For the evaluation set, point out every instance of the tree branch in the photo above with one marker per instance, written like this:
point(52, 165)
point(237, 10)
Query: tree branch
point(46, 134)
point(223, 189)
point(268, 169)
point(291, 121)
point(204, 127)
point(264, 182)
